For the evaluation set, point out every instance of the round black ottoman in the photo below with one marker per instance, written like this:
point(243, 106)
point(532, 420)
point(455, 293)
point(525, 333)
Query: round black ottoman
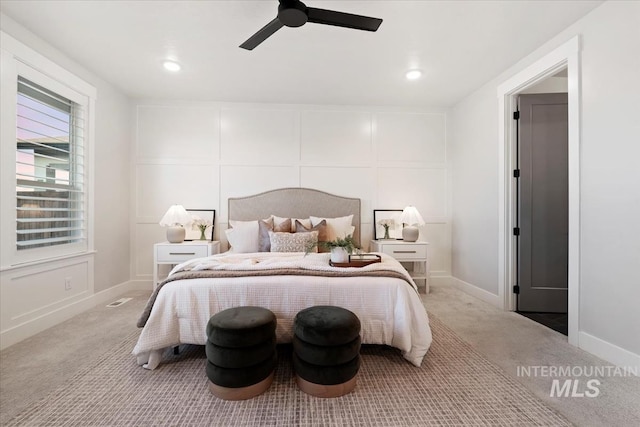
point(326, 355)
point(241, 352)
point(326, 325)
point(326, 350)
point(241, 327)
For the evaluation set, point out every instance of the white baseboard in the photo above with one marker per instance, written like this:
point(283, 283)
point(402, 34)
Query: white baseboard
point(27, 329)
point(609, 352)
point(477, 292)
point(141, 285)
point(440, 280)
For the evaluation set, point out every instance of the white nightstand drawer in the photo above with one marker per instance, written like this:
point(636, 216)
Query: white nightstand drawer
point(405, 251)
point(166, 254)
point(180, 253)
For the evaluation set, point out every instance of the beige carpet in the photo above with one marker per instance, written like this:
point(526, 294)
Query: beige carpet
point(454, 386)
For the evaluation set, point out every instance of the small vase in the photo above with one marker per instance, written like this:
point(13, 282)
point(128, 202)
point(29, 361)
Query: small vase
point(339, 255)
point(202, 236)
point(386, 233)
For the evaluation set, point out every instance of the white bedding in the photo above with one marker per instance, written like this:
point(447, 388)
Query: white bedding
point(390, 309)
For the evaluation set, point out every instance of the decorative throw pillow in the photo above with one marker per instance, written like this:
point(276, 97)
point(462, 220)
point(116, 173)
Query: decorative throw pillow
point(305, 221)
point(264, 226)
point(267, 225)
point(336, 227)
point(243, 236)
point(292, 242)
point(320, 227)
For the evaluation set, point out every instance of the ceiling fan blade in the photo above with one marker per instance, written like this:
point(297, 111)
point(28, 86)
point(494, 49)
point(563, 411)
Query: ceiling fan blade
point(342, 19)
point(263, 34)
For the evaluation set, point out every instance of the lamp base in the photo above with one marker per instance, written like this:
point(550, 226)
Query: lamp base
point(410, 233)
point(176, 234)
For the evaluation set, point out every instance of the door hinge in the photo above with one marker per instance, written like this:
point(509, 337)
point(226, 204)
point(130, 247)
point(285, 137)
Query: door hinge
point(516, 231)
point(516, 289)
point(516, 115)
point(516, 173)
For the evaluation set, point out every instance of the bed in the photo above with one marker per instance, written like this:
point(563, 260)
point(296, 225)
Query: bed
point(382, 295)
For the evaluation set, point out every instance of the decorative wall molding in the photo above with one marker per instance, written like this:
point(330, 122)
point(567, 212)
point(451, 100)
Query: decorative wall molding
point(245, 149)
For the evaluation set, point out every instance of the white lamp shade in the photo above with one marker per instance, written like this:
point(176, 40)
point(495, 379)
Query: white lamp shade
point(411, 216)
point(176, 215)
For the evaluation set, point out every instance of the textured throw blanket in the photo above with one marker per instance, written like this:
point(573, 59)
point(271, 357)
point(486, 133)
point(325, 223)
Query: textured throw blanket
point(271, 264)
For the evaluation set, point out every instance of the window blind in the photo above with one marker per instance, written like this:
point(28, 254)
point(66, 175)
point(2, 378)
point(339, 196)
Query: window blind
point(50, 173)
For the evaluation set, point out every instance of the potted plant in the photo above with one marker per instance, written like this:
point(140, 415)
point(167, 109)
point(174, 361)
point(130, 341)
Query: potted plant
point(340, 248)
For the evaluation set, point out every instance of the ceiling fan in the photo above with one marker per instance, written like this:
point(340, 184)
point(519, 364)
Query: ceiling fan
point(294, 13)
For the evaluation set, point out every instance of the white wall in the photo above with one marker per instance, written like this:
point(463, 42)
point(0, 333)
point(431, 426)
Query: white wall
point(549, 85)
point(34, 298)
point(474, 156)
point(200, 154)
point(610, 189)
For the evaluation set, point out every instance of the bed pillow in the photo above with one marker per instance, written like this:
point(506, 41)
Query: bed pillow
point(264, 226)
point(292, 242)
point(243, 236)
point(304, 221)
point(336, 227)
point(321, 228)
point(267, 225)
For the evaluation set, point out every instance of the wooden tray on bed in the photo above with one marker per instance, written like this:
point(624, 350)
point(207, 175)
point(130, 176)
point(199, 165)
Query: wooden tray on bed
point(358, 261)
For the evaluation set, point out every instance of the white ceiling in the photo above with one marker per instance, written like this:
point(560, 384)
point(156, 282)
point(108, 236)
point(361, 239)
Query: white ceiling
point(459, 44)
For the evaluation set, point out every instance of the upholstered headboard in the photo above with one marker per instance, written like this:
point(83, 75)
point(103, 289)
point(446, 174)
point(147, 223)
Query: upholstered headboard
point(295, 203)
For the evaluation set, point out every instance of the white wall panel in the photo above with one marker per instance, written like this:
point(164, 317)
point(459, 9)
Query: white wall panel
point(160, 186)
point(146, 236)
point(258, 136)
point(348, 182)
point(33, 291)
point(239, 181)
point(262, 147)
point(178, 132)
point(438, 236)
point(336, 137)
point(410, 137)
point(423, 188)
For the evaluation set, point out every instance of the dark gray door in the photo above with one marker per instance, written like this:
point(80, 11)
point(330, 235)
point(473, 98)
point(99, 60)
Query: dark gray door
point(543, 203)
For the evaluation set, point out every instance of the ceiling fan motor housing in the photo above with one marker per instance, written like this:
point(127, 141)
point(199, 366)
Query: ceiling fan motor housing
point(292, 13)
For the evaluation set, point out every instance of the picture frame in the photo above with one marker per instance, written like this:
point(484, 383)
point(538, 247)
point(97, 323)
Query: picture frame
point(193, 232)
point(395, 231)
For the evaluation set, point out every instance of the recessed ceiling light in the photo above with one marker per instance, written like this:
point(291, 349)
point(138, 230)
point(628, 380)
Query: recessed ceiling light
point(171, 66)
point(414, 74)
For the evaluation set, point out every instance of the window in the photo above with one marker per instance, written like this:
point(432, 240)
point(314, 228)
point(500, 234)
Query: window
point(49, 168)
point(47, 122)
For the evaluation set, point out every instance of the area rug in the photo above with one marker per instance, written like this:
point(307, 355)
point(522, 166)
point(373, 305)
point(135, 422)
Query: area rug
point(456, 386)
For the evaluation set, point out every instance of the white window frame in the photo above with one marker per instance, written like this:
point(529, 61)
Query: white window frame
point(19, 60)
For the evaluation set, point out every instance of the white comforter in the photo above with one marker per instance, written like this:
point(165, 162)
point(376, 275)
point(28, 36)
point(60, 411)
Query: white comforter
point(390, 309)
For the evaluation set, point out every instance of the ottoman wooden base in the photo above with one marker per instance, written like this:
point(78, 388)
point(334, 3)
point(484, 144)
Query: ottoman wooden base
point(320, 390)
point(241, 393)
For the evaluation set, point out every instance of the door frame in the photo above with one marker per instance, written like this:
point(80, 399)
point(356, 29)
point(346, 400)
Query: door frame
point(565, 56)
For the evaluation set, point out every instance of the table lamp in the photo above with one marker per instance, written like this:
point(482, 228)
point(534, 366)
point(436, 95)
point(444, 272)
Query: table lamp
point(411, 217)
point(175, 219)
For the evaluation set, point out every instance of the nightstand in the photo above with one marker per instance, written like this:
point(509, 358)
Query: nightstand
point(407, 252)
point(166, 253)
